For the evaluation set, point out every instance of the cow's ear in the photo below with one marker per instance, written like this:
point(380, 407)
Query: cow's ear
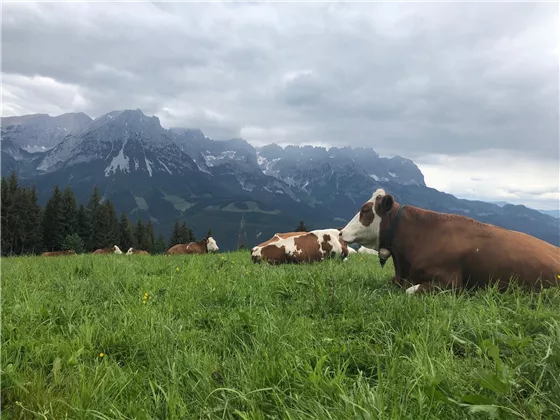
point(387, 203)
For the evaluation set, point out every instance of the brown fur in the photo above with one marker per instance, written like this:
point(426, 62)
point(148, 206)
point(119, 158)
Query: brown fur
point(104, 251)
point(366, 214)
point(58, 253)
point(199, 247)
point(453, 251)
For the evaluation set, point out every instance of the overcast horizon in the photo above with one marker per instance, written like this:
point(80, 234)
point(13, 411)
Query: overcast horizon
point(468, 91)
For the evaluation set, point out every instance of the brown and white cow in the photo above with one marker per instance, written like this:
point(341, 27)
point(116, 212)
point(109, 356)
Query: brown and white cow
point(136, 251)
point(200, 247)
point(114, 250)
point(58, 253)
point(448, 251)
point(277, 237)
point(299, 247)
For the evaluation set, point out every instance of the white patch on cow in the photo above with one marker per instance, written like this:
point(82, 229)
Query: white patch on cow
point(351, 250)
point(355, 232)
point(413, 289)
point(212, 245)
point(117, 250)
point(129, 252)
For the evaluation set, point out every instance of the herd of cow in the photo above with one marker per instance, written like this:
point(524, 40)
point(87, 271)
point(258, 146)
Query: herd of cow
point(430, 250)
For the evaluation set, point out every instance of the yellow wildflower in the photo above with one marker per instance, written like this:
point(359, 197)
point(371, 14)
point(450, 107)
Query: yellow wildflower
point(176, 268)
point(101, 354)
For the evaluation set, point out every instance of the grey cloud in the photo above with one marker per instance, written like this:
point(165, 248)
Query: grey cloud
point(409, 78)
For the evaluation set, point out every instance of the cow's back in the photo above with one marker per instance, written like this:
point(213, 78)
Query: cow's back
point(501, 253)
point(481, 253)
point(190, 248)
point(177, 249)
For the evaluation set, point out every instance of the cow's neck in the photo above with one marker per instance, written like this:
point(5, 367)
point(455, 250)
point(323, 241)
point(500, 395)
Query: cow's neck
point(387, 241)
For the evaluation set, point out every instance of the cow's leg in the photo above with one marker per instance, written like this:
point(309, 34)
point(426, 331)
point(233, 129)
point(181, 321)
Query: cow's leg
point(402, 273)
point(446, 280)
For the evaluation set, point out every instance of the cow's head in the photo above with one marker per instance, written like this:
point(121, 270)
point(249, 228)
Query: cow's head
point(116, 249)
point(129, 252)
point(364, 228)
point(211, 245)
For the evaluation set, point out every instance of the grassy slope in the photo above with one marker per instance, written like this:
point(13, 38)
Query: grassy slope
point(221, 337)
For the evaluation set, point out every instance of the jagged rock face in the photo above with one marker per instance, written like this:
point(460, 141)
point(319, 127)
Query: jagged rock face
point(235, 157)
point(41, 132)
point(308, 167)
point(126, 142)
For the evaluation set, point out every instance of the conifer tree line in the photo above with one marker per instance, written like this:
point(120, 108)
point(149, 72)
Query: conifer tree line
point(63, 224)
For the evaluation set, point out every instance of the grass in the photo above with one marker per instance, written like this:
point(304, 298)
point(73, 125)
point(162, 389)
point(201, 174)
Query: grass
point(219, 337)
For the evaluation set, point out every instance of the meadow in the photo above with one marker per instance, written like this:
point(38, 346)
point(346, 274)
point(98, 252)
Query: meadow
point(215, 336)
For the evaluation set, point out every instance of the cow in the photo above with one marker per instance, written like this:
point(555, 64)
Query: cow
point(316, 245)
point(200, 247)
point(277, 237)
point(351, 250)
point(58, 253)
point(136, 251)
point(448, 251)
point(114, 250)
point(364, 250)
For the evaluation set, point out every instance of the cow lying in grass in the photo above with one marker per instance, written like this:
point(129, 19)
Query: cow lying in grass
point(448, 251)
point(136, 251)
point(200, 247)
point(58, 253)
point(299, 247)
point(114, 250)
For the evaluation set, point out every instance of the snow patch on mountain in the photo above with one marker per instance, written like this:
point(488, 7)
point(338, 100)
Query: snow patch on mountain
point(148, 166)
point(118, 162)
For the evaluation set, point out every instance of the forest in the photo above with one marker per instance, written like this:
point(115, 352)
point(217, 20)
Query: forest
point(28, 228)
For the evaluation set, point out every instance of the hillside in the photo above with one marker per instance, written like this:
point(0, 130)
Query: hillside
point(218, 336)
point(163, 174)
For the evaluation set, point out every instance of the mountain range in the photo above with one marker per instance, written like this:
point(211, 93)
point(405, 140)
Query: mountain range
point(163, 174)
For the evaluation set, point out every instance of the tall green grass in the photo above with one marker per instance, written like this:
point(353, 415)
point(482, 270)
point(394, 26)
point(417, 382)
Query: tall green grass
point(216, 336)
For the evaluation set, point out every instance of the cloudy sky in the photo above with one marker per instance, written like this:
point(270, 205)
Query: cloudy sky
point(468, 91)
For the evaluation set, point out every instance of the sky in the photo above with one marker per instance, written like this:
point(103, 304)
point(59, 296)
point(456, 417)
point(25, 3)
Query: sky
point(469, 91)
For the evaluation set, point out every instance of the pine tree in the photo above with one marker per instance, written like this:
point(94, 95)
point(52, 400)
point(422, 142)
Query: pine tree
point(94, 214)
point(159, 246)
point(68, 213)
point(175, 234)
point(14, 215)
point(52, 220)
point(107, 233)
point(126, 233)
point(5, 203)
point(32, 237)
point(73, 242)
point(301, 227)
point(141, 234)
point(84, 226)
point(186, 235)
point(150, 237)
